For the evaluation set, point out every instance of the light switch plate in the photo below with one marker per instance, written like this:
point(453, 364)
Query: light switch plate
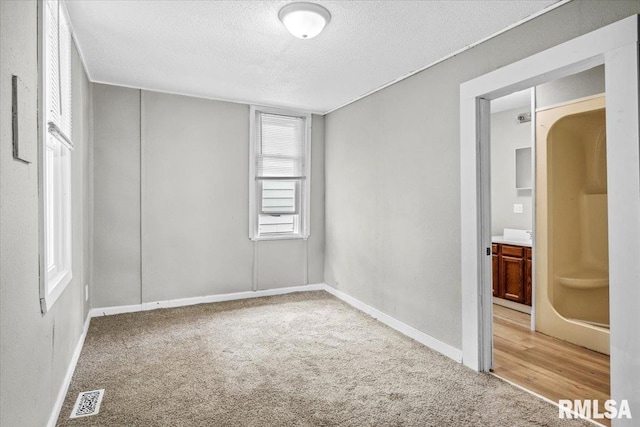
point(517, 208)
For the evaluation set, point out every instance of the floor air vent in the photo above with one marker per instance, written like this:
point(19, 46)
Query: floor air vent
point(88, 403)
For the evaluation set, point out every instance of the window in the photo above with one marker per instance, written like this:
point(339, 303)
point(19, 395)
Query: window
point(279, 174)
point(55, 158)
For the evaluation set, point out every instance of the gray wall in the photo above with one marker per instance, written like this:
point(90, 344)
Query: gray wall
point(172, 204)
point(586, 83)
point(36, 348)
point(507, 135)
point(392, 176)
point(195, 197)
point(116, 190)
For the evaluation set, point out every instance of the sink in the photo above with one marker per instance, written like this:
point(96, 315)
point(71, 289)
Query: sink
point(514, 234)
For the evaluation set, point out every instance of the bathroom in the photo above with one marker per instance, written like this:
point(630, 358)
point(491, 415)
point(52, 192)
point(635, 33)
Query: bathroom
point(549, 244)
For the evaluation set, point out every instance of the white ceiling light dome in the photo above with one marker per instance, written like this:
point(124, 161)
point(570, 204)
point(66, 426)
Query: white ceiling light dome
point(304, 20)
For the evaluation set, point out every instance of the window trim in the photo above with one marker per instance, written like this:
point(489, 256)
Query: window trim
point(305, 203)
point(51, 288)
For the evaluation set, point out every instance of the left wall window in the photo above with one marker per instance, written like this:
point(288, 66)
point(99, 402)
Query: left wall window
point(56, 147)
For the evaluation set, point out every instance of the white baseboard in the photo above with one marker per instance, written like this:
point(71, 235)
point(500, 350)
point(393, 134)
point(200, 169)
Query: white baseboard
point(119, 309)
point(107, 311)
point(399, 326)
point(231, 297)
point(512, 305)
point(57, 407)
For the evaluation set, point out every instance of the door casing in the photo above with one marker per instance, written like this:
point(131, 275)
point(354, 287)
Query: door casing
point(616, 47)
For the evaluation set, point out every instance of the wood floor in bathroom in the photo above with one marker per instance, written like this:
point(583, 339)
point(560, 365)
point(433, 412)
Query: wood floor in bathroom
point(552, 368)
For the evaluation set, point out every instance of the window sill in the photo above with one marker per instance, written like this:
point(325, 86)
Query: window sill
point(285, 237)
point(56, 287)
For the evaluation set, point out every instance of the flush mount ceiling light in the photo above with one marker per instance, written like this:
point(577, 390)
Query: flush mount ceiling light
point(304, 20)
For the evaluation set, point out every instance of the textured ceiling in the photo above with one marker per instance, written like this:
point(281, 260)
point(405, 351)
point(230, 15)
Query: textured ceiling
point(509, 102)
point(240, 51)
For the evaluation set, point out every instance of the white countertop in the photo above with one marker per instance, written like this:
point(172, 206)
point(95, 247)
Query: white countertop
point(502, 240)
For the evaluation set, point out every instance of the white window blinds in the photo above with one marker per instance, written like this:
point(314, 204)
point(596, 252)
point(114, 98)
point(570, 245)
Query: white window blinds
point(58, 68)
point(281, 148)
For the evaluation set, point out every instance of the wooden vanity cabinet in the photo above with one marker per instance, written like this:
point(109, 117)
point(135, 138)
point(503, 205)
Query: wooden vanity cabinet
point(512, 273)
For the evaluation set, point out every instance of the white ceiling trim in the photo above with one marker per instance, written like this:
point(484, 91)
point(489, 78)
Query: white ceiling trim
point(458, 52)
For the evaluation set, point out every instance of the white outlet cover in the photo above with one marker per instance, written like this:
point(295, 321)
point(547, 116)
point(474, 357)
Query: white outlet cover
point(517, 208)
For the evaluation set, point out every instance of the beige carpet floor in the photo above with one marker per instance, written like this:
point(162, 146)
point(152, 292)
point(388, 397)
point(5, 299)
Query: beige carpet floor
point(305, 359)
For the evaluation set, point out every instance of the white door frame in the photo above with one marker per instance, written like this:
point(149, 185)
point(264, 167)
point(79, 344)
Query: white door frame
point(534, 187)
point(615, 46)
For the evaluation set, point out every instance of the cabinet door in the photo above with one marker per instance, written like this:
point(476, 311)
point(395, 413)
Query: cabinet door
point(495, 275)
point(527, 276)
point(512, 272)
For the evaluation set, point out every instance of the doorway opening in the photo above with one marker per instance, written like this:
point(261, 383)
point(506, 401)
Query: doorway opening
point(551, 149)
